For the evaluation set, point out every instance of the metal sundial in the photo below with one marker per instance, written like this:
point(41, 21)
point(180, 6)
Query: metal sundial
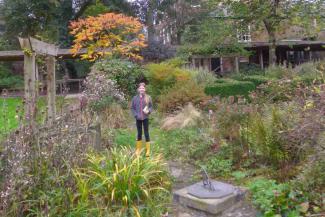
point(206, 180)
point(209, 189)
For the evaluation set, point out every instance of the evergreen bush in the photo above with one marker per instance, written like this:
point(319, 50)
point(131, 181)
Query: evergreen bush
point(163, 76)
point(230, 87)
point(180, 95)
point(8, 80)
point(256, 79)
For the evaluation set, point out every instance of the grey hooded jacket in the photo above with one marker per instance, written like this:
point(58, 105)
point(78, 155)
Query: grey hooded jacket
point(138, 105)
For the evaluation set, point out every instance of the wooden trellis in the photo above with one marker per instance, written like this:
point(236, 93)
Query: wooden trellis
point(32, 47)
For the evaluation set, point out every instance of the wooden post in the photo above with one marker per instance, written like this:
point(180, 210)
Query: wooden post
point(51, 89)
point(30, 82)
point(261, 59)
point(221, 65)
point(96, 136)
point(310, 55)
point(37, 81)
point(237, 64)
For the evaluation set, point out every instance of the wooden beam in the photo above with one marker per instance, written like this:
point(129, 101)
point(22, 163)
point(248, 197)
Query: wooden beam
point(12, 55)
point(17, 55)
point(43, 47)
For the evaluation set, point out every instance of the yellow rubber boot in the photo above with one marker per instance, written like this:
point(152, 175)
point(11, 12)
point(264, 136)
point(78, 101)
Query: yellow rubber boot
point(147, 149)
point(138, 148)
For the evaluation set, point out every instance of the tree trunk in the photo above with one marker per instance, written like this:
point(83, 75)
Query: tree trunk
point(150, 21)
point(272, 50)
point(272, 40)
point(270, 26)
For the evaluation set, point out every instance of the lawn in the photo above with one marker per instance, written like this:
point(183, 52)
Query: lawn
point(10, 108)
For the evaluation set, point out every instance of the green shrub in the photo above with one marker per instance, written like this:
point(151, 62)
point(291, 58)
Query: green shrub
point(8, 80)
point(181, 94)
point(163, 76)
point(266, 136)
point(230, 88)
point(175, 62)
point(250, 69)
point(309, 73)
point(278, 71)
point(119, 182)
point(125, 73)
point(200, 150)
point(223, 80)
point(275, 199)
point(277, 91)
point(312, 181)
point(183, 143)
point(219, 167)
point(256, 79)
point(203, 77)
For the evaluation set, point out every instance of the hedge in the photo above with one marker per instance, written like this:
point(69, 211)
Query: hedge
point(230, 88)
point(256, 79)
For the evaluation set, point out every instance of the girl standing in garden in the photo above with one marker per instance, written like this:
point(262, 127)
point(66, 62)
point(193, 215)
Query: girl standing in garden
point(141, 108)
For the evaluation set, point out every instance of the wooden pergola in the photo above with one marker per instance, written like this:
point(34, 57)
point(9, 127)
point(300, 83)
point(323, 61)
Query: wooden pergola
point(32, 47)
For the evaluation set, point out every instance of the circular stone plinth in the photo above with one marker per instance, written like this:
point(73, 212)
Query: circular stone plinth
point(221, 190)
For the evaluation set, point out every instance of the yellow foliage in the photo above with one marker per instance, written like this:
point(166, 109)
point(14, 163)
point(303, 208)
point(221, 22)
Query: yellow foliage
point(106, 35)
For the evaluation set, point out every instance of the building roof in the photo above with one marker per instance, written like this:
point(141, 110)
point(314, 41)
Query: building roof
point(287, 43)
point(18, 55)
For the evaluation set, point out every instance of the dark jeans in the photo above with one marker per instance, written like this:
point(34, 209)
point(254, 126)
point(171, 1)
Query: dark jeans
point(145, 124)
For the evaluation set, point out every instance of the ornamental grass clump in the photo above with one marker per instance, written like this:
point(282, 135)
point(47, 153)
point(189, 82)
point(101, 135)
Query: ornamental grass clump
point(188, 116)
point(119, 182)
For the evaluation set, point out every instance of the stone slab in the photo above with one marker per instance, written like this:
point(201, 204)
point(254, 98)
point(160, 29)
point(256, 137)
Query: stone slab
point(210, 206)
point(220, 190)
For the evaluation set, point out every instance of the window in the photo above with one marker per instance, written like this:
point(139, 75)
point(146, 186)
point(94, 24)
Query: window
point(244, 34)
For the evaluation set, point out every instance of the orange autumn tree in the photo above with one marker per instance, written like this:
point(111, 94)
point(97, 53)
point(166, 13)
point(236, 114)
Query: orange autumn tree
point(107, 35)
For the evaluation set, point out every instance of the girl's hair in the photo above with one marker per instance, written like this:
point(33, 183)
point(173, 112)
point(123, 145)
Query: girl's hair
point(146, 96)
point(142, 84)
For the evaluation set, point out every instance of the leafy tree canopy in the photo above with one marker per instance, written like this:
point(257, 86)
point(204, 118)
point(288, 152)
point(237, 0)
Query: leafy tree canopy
point(49, 19)
point(28, 17)
point(108, 34)
point(211, 36)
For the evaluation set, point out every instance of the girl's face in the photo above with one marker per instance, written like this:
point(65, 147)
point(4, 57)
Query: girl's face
point(142, 89)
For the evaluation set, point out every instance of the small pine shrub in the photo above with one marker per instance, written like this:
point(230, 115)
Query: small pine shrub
point(181, 94)
point(229, 87)
point(163, 76)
